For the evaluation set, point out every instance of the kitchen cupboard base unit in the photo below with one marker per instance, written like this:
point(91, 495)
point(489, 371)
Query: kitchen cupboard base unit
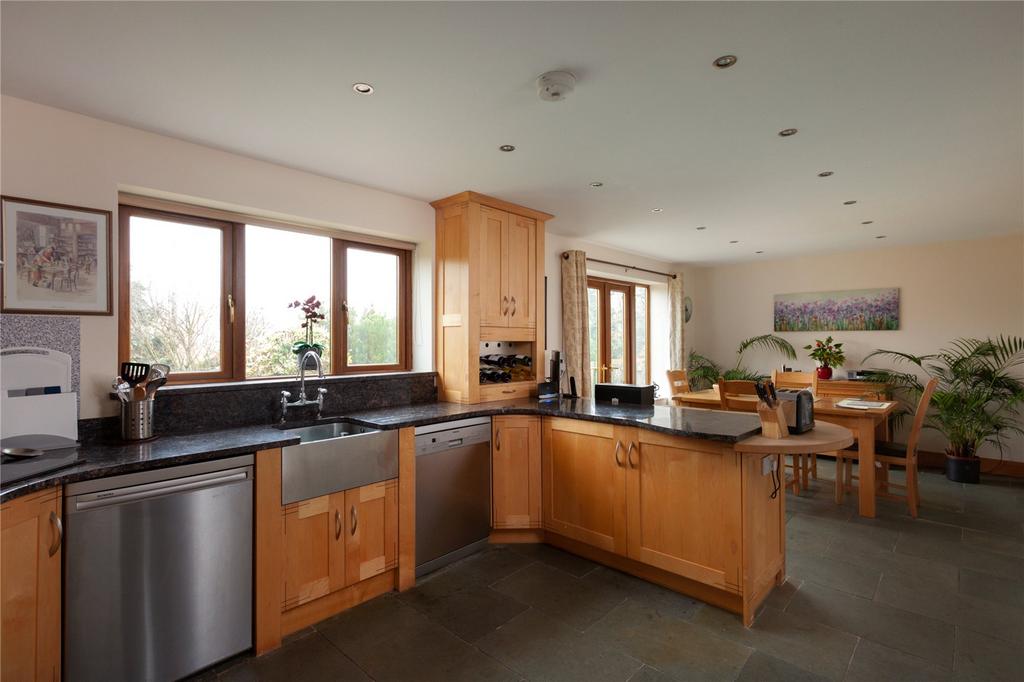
point(30, 559)
point(335, 602)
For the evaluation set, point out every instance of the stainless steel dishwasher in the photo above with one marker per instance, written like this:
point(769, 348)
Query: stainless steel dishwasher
point(158, 571)
point(453, 491)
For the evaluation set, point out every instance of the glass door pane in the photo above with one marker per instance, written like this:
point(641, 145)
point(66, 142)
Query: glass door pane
point(176, 320)
point(618, 319)
point(594, 321)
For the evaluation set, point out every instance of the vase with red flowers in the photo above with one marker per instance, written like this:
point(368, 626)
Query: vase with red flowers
point(827, 354)
point(311, 317)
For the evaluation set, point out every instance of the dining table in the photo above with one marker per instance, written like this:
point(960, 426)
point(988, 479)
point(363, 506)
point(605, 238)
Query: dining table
point(867, 425)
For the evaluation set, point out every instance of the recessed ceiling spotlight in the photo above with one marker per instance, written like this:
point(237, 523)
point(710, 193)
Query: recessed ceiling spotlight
point(825, 174)
point(866, 222)
point(734, 241)
point(657, 210)
point(363, 88)
point(597, 184)
point(851, 202)
point(725, 61)
point(507, 148)
point(703, 227)
point(881, 236)
point(788, 132)
point(759, 252)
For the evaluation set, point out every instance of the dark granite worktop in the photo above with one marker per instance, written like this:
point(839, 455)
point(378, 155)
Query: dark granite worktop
point(728, 427)
point(110, 458)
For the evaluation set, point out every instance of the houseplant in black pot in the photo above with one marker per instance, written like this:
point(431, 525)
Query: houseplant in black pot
point(978, 399)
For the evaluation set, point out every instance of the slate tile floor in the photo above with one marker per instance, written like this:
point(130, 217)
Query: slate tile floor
point(939, 598)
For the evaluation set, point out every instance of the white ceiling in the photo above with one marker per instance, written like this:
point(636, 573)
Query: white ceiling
point(917, 107)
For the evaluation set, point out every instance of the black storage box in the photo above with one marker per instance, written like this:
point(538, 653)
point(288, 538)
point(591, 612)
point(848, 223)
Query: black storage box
point(633, 394)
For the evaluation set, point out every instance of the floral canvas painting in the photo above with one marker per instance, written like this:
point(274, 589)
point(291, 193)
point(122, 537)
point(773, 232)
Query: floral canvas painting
point(853, 310)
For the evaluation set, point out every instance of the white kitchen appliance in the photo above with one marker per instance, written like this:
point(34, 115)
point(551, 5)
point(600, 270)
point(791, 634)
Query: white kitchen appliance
point(38, 412)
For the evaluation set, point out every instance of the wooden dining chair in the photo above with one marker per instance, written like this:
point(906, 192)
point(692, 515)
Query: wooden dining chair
point(678, 383)
point(797, 381)
point(888, 455)
point(734, 397)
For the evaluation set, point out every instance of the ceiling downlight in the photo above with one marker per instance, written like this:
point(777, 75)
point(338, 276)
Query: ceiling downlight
point(362, 88)
point(507, 148)
point(788, 132)
point(826, 174)
point(725, 61)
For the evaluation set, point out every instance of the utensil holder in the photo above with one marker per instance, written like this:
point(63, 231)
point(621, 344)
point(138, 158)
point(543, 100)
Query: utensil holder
point(137, 419)
point(773, 419)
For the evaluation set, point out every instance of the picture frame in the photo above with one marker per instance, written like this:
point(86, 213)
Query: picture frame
point(57, 258)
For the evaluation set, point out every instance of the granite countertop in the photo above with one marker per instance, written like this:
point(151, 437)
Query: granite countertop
point(100, 459)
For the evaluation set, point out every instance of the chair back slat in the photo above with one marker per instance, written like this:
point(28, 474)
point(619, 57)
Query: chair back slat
point(919, 415)
point(678, 382)
point(730, 390)
point(796, 380)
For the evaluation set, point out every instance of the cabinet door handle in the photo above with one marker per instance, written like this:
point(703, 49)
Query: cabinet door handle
point(497, 439)
point(355, 520)
point(629, 455)
point(618, 447)
point(337, 524)
point(504, 302)
point(514, 306)
point(59, 525)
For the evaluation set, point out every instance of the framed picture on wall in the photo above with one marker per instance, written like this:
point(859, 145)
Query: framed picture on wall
point(56, 258)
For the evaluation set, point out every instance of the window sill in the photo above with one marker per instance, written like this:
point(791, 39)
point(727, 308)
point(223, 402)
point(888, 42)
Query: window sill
point(283, 382)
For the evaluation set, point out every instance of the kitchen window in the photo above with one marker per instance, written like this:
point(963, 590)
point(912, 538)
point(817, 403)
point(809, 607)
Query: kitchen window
point(211, 297)
point(620, 322)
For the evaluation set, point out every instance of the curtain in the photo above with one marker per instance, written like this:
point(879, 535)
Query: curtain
point(575, 322)
point(676, 350)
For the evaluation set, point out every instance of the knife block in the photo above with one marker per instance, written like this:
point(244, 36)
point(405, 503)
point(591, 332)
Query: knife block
point(773, 419)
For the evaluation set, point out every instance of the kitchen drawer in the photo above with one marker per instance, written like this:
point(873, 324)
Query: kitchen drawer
point(516, 389)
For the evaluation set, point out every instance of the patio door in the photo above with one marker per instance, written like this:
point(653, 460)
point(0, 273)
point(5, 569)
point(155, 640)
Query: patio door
point(619, 328)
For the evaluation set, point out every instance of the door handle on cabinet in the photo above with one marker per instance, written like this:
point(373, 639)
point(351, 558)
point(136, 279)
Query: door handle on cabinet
point(337, 524)
point(355, 520)
point(629, 454)
point(504, 302)
point(59, 525)
point(497, 439)
point(514, 306)
point(618, 446)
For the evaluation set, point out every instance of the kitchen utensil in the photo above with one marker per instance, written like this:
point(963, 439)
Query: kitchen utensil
point(121, 387)
point(152, 386)
point(139, 392)
point(137, 419)
point(157, 371)
point(134, 372)
point(773, 394)
point(762, 392)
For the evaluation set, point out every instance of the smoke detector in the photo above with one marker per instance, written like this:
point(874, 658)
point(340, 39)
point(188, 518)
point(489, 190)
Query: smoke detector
point(554, 86)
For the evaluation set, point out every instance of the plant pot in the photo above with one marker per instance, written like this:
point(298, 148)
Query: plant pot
point(963, 469)
point(825, 373)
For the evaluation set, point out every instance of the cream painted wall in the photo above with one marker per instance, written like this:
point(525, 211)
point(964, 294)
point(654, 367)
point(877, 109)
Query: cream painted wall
point(947, 290)
point(54, 155)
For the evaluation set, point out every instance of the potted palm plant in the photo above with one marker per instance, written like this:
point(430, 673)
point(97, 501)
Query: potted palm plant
point(977, 400)
point(827, 355)
point(702, 372)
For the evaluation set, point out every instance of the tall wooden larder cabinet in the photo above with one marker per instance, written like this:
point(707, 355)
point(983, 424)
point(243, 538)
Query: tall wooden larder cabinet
point(489, 294)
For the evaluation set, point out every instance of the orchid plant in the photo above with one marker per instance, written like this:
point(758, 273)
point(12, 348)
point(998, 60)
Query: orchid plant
point(311, 317)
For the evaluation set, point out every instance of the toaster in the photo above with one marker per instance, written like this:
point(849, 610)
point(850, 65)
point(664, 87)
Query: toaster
point(800, 414)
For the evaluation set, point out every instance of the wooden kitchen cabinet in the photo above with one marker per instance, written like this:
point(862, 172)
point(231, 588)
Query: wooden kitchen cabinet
point(30, 582)
point(489, 287)
point(371, 530)
point(584, 482)
point(669, 479)
point(515, 472)
point(334, 541)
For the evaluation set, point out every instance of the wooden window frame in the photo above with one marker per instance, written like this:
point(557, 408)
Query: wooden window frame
point(339, 308)
point(604, 285)
point(232, 334)
point(233, 360)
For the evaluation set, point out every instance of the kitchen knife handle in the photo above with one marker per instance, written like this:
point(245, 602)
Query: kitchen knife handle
point(59, 525)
